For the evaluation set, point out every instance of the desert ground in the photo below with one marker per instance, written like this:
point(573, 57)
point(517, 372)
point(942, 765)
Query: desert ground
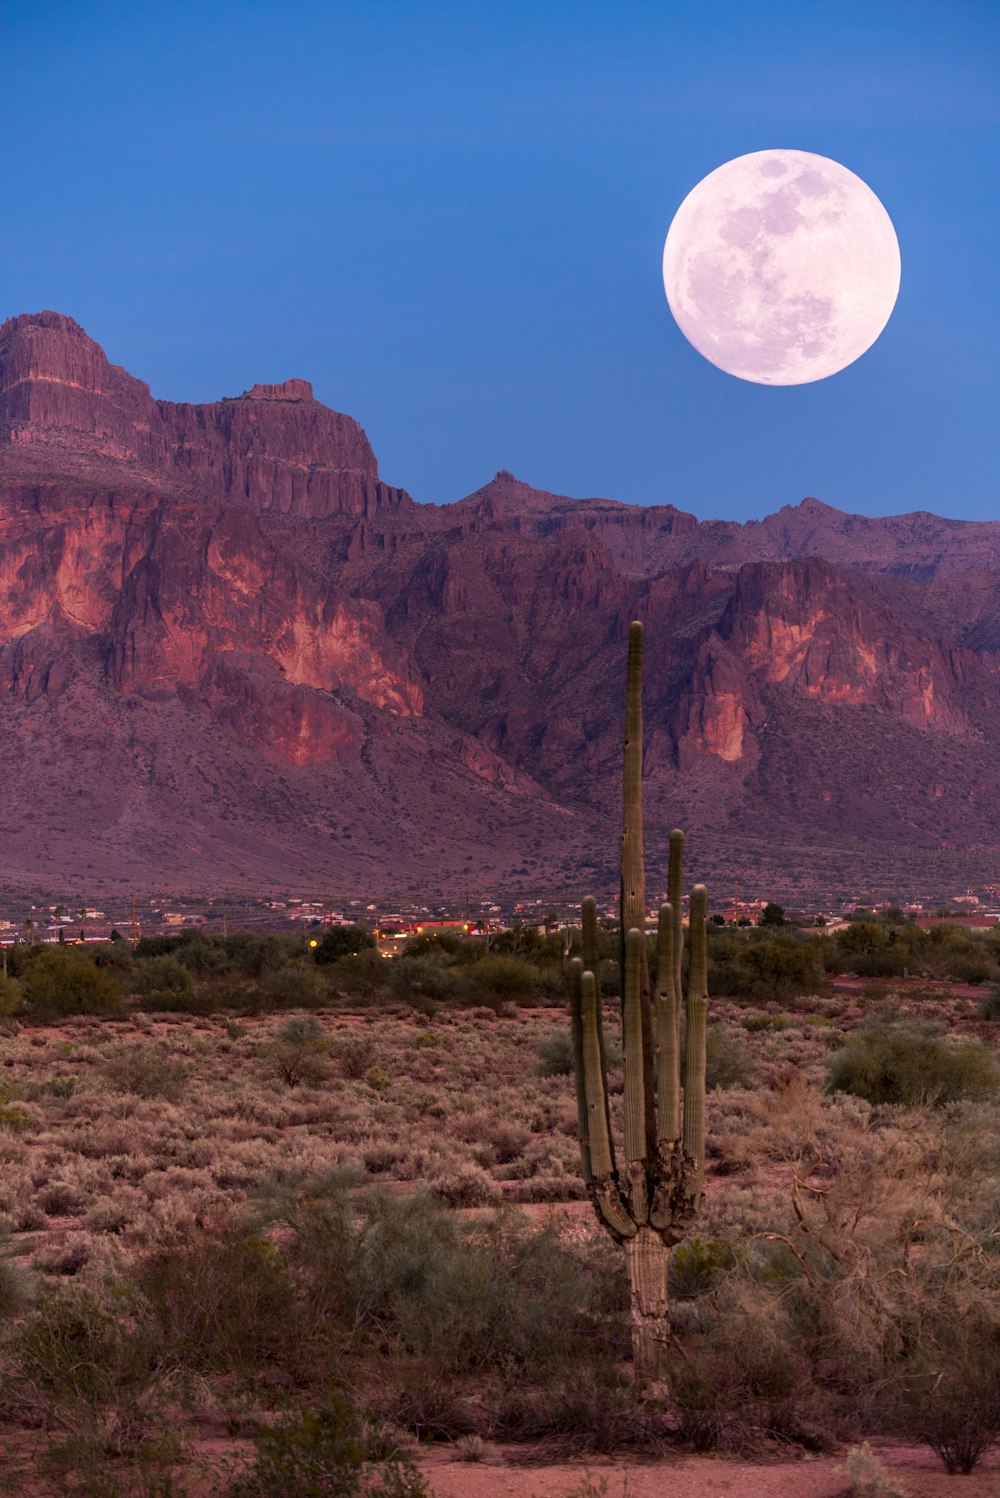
point(225, 1214)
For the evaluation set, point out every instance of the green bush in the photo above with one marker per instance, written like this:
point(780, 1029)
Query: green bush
point(297, 1054)
point(85, 1367)
point(503, 980)
point(221, 1303)
point(948, 1385)
point(60, 984)
point(11, 996)
point(423, 978)
point(436, 943)
point(887, 1063)
point(406, 1272)
point(342, 941)
point(147, 1071)
point(697, 1264)
point(325, 1450)
point(765, 965)
point(555, 1054)
point(727, 1063)
point(361, 975)
point(161, 982)
point(990, 1007)
point(295, 986)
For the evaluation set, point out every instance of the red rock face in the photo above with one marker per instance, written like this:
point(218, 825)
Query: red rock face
point(64, 409)
point(231, 656)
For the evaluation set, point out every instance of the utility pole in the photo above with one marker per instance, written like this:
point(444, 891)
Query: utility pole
point(135, 925)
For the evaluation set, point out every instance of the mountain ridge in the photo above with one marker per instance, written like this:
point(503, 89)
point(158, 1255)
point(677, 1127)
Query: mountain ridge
point(300, 674)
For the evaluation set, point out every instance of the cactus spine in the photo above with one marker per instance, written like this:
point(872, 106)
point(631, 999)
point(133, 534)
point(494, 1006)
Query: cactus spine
point(650, 1205)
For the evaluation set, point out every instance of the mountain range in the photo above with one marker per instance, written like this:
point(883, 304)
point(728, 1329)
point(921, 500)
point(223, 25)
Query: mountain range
point(233, 659)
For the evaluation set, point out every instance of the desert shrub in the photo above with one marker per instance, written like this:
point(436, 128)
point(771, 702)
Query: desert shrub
point(14, 1117)
point(85, 1366)
point(161, 982)
point(727, 1063)
point(59, 984)
point(466, 1185)
point(502, 979)
point(301, 1029)
point(555, 1054)
point(423, 978)
point(467, 1299)
point(745, 1381)
point(342, 941)
point(990, 1007)
point(775, 967)
point(328, 1450)
point(886, 1063)
point(12, 1284)
point(361, 975)
point(11, 996)
point(949, 1395)
point(297, 1054)
point(147, 1071)
point(867, 1476)
point(354, 1054)
point(222, 1303)
point(609, 973)
point(755, 1021)
point(697, 1264)
point(295, 986)
point(202, 955)
point(589, 1408)
point(254, 953)
point(970, 967)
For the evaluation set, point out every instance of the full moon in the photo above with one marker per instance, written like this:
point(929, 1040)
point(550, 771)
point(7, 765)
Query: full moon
point(781, 267)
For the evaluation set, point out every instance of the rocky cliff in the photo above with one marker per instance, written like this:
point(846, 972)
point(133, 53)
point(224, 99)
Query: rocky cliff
point(231, 657)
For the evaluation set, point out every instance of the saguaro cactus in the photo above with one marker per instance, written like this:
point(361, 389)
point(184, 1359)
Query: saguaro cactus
point(648, 1206)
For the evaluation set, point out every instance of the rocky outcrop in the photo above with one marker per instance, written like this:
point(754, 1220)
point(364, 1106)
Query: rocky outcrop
point(66, 411)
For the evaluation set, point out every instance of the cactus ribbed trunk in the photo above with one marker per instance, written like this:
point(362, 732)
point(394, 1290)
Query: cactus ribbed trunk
point(647, 1259)
point(633, 876)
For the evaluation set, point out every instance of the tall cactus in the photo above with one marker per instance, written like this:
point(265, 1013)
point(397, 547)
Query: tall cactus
point(648, 1206)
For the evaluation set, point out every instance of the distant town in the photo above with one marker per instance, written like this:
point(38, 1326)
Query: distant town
point(72, 922)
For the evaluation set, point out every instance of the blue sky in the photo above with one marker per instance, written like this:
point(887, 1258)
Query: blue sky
point(451, 216)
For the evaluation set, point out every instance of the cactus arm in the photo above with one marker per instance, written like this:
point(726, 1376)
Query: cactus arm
point(592, 964)
point(604, 1184)
point(636, 1152)
point(668, 1059)
point(675, 895)
point(697, 1013)
point(591, 950)
point(576, 1031)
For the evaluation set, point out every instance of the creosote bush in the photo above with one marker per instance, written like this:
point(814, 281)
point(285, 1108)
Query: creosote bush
point(887, 1063)
point(325, 1449)
point(58, 984)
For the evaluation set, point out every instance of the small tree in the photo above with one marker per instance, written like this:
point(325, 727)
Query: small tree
point(342, 941)
point(772, 914)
